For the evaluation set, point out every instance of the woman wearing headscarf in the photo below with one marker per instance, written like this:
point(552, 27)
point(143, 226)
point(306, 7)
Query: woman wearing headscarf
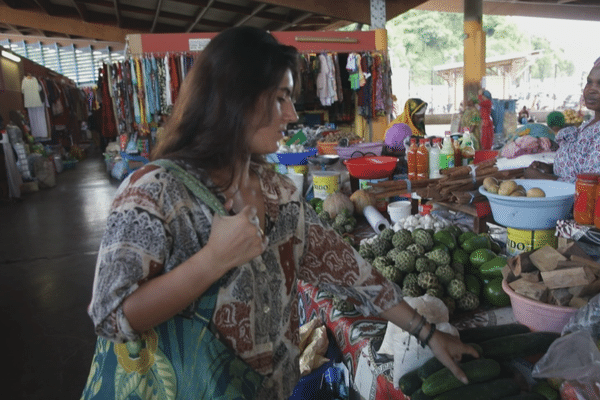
point(413, 116)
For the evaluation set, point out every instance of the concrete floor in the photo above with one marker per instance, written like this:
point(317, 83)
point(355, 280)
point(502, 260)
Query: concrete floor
point(48, 247)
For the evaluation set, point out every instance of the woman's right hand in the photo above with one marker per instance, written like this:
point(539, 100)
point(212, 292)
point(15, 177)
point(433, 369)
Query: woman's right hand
point(235, 240)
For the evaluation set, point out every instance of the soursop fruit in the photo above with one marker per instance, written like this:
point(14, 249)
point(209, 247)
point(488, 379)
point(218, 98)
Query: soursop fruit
point(427, 280)
point(445, 274)
point(412, 290)
point(393, 253)
point(468, 302)
point(410, 278)
point(402, 239)
point(380, 246)
point(458, 267)
point(436, 291)
point(387, 234)
point(342, 305)
point(405, 261)
point(424, 264)
point(456, 289)
point(366, 251)
point(392, 273)
point(416, 249)
point(422, 237)
point(440, 256)
point(381, 262)
point(450, 303)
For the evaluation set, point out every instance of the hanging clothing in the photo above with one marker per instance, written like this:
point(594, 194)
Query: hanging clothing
point(31, 88)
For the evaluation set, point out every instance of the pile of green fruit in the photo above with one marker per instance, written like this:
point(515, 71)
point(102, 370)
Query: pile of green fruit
point(461, 268)
point(343, 222)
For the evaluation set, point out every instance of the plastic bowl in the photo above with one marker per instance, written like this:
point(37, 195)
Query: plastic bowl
point(296, 158)
point(531, 213)
point(371, 167)
point(360, 150)
point(331, 147)
point(536, 315)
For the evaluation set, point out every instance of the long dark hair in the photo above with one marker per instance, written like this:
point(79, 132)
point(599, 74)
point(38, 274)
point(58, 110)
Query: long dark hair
point(238, 69)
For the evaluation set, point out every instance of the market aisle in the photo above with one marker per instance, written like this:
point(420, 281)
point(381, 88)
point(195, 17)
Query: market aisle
point(48, 247)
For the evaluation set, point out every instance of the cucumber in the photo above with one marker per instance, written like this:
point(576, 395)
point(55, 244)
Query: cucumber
point(544, 389)
point(519, 345)
point(480, 370)
point(419, 395)
point(525, 396)
point(483, 333)
point(433, 364)
point(491, 390)
point(410, 382)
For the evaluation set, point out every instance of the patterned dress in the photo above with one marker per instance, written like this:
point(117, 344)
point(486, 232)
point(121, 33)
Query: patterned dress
point(578, 151)
point(156, 224)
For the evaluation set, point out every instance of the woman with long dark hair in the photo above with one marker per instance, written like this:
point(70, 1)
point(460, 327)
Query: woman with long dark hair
point(195, 294)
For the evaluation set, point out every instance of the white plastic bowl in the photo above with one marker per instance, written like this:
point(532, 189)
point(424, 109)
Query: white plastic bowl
point(532, 213)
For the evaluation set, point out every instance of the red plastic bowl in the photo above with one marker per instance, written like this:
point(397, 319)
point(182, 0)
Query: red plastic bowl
point(371, 167)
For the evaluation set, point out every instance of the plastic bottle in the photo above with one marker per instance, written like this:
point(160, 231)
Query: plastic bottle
point(434, 159)
point(411, 157)
point(467, 149)
point(457, 152)
point(447, 154)
point(422, 160)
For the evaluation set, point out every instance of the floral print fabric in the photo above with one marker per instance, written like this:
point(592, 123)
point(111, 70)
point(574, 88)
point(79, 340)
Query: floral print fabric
point(578, 151)
point(156, 224)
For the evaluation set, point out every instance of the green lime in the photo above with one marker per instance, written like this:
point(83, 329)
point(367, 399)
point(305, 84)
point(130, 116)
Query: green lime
point(494, 294)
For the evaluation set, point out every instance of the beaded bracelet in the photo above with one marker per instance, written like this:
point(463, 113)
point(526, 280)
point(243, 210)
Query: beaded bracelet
point(429, 335)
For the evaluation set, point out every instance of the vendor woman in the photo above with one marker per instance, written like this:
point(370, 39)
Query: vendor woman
point(579, 147)
point(413, 116)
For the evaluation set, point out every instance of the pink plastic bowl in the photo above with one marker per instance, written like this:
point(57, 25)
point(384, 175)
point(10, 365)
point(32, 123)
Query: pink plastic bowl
point(536, 315)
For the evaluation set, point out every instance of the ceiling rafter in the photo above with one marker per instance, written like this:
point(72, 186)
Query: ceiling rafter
point(199, 16)
point(158, 7)
point(246, 18)
point(118, 13)
point(81, 10)
point(295, 22)
point(45, 6)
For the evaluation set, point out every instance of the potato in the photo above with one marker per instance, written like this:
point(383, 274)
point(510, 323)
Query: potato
point(493, 189)
point(507, 187)
point(489, 182)
point(536, 192)
point(518, 193)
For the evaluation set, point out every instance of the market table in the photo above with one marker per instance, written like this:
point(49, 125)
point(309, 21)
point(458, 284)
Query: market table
point(359, 338)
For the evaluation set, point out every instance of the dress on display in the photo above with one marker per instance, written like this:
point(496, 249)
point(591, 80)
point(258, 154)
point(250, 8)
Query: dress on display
point(30, 87)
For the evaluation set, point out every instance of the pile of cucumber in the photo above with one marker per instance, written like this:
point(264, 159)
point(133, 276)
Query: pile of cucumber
point(489, 376)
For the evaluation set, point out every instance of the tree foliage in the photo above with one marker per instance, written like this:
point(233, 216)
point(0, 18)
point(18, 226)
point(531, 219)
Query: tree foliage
point(421, 40)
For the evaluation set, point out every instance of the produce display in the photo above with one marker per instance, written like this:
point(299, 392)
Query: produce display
point(573, 117)
point(424, 255)
point(490, 376)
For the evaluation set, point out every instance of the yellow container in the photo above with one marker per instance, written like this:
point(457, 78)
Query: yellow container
point(325, 183)
point(297, 169)
point(520, 241)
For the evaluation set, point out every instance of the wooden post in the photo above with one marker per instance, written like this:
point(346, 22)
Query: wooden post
point(474, 49)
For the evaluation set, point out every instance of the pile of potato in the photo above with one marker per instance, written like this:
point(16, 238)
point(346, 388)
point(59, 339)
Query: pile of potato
point(510, 188)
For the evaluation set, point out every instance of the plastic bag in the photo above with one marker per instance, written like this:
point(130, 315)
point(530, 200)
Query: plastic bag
point(313, 346)
point(572, 357)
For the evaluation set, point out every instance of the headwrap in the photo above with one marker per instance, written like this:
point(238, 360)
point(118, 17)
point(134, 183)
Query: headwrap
point(487, 94)
point(597, 63)
point(555, 118)
point(412, 107)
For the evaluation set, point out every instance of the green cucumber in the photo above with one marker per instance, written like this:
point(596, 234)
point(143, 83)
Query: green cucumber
point(479, 370)
point(419, 395)
point(491, 390)
point(544, 389)
point(483, 333)
point(519, 345)
point(525, 396)
point(410, 382)
point(433, 364)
